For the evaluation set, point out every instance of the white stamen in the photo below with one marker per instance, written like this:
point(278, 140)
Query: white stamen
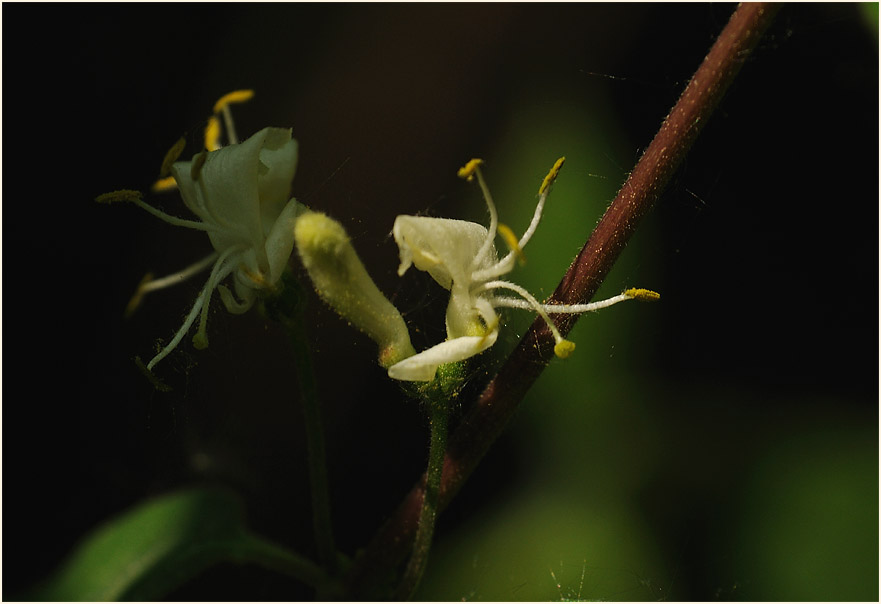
point(506, 264)
point(488, 243)
point(188, 322)
point(190, 224)
point(178, 277)
point(536, 218)
point(191, 318)
point(533, 303)
point(223, 267)
point(561, 308)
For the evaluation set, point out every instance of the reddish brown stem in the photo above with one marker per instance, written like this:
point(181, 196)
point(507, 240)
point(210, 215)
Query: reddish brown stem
point(486, 419)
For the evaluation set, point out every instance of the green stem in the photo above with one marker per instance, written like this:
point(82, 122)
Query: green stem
point(286, 308)
point(256, 550)
point(430, 502)
point(317, 457)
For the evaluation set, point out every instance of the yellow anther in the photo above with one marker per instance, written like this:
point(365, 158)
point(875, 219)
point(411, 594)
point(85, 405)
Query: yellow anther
point(489, 329)
point(157, 384)
point(236, 96)
point(645, 295)
point(467, 171)
point(122, 195)
point(258, 281)
point(200, 340)
point(552, 176)
point(564, 348)
point(212, 134)
point(133, 304)
point(164, 184)
point(511, 241)
point(196, 167)
point(171, 157)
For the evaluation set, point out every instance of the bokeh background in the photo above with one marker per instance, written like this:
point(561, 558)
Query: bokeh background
point(721, 444)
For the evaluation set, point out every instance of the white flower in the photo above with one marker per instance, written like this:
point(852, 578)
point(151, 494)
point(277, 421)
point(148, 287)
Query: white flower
point(241, 195)
point(461, 256)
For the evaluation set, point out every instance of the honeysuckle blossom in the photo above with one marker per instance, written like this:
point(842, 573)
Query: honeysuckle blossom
point(241, 196)
point(461, 256)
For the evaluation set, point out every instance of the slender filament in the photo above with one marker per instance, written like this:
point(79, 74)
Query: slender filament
point(223, 267)
point(529, 299)
point(506, 264)
point(493, 221)
point(188, 322)
point(178, 277)
point(190, 224)
point(561, 308)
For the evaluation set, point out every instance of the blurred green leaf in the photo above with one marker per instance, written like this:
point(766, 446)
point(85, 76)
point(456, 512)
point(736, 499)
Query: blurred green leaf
point(870, 15)
point(546, 546)
point(809, 525)
point(152, 549)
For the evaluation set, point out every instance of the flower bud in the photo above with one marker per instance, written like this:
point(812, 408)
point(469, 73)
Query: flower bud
point(342, 281)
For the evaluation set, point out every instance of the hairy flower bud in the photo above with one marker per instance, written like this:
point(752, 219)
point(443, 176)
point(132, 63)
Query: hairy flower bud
point(342, 281)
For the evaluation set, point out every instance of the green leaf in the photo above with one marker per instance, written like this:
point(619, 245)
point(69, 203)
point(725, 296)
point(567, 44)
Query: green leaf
point(152, 549)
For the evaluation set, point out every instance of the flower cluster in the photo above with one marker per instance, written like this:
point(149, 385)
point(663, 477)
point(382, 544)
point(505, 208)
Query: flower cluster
point(240, 194)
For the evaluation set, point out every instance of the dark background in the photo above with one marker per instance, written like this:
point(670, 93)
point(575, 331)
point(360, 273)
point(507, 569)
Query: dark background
point(726, 439)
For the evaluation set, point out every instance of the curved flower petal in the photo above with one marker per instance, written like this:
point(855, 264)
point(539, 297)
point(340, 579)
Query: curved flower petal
point(422, 367)
point(189, 192)
point(443, 247)
point(232, 305)
point(279, 156)
point(280, 239)
point(469, 315)
point(229, 183)
point(224, 184)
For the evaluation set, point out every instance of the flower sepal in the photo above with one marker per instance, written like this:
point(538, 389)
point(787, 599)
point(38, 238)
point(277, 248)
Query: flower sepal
point(445, 387)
